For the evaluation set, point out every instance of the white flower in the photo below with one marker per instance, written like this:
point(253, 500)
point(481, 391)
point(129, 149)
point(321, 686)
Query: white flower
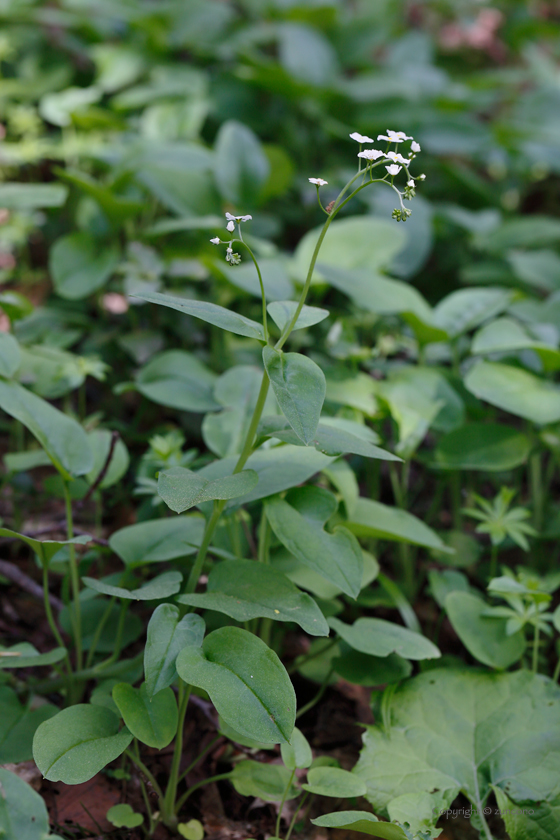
point(397, 158)
point(361, 138)
point(410, 183)
point(231, 218)
point(421, 177)
point(230, 226)
point(371, 154)
point(216, 240)
point(415, 146)
point(394, 136)
point(393, 169)
point(320, 182)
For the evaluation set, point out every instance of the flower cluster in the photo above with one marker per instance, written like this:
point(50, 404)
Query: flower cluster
point(232, 257)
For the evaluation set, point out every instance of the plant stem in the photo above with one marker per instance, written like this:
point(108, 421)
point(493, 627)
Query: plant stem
point(51, 685)
point(192, 789)
point(142, 767)
point(284, 797)
point(537, 490)
point(493, 560)
point(315, 700)
point(118, 636)
point(296, 812)
point(263, 295)
point(301, 660)
point(98, 631)
point(52, 624)
point(199, 758)
point(74, 579)
point(535, 663)
point(168, 804)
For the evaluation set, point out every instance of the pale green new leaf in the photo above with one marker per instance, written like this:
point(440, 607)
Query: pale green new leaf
point(167, 635)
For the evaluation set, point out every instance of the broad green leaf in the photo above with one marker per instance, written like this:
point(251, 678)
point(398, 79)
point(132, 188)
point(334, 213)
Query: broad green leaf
point(229, 732)
point(529, 820)
point(516, 391)
point(274, 271)
point(80, 265)
point(23, 461)
point(266, 781)
point(461, 730)
point(278, 469)
point(117, 208)
point(59, 107)
point(16, 196)
point(361, 821)
point(523, 232)
point(333, 781)
point(307, 578)
point(10, 354)
point(23, 813)
point(162, 586)
point(158, 540)
point(62, 438)
point(153, 720)
point(504, 335)
point(373, 519)
point(241, 166)
point(482, 446)
point(378, 637)
point(385, 296)
point(100, 442)
point(191, 830)
point(356, 390)
point(443, 582)
point(244, 589)
point(296, 754)
point(226, 319)
point(537, 268)
point(44, 549)
point(246, 681)
point(167, 635)
point(484, 637)
point(299, 386)
point(78, 742)
point(306, 54)
point(361, 242)
point(298, 522)
point(182, 489)
point(364, 669)
point(282, 312)
point(15, 305)
point(179, 380)
point(18, 723)
point(334, 436)
point(24, 655)
point(466, 309)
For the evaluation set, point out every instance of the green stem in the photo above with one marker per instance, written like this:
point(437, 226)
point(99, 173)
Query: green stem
point(74, 579)
point(198, 785)
point(199, 758)
point(296, 812)
point(264, 538)
point(98, 631)
point(142, 767)
point(535, 664)
point(118, 636)
point(493, 560)
point(284, 797)
point(49, 686)
point(263, 295)
point(301, 660)
point(168, 805)
point(537, 490)
point(315, 700)
point(52, 622)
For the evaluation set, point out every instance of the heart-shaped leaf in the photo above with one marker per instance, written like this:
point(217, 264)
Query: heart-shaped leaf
point(122, 816)
point(157, 540)
point(78, 742)
point(299, 385)
point(182, 489)
point(484, 637)
point(153, 720)
point(44, 549)
point(244, 590)
point(168, 634)
point(297, 754)
point(333, 781)
point(246, 681)
point(282, 312)
point(266, 781)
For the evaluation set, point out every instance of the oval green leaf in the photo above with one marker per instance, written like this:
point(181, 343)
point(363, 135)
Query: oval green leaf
point(378, 637)
point(153, 720)
point(482, 446)
point(299, 385)
point(484, 637)
point(162, 586)
point(333, 781)
point(182, 489)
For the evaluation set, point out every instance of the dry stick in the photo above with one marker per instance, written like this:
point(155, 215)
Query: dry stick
point(11, 571)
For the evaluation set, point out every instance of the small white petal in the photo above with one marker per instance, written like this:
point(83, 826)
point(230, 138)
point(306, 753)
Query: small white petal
point(371, 154)
point(230, 218)
point(244, 218)
point(410, 183)
point(393, 169)
point(361, 138)
point(415, 146)
point(230, 226)
point(397, 158)
point(320, 182)
point(216, 240)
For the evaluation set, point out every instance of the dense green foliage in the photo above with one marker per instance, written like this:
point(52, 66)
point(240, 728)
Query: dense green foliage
point(335, 420)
